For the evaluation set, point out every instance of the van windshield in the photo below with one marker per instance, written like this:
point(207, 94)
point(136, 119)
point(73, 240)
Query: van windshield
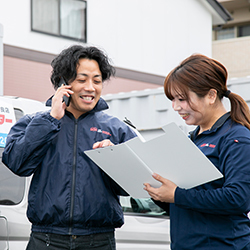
point(11, 185)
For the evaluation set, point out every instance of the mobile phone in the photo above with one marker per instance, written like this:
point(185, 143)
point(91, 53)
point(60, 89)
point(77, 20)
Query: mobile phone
point(66, 99)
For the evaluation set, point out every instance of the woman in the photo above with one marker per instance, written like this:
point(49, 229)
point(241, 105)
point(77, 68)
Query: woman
point(213, 215)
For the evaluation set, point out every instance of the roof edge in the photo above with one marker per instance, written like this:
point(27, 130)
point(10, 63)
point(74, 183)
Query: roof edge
point(221, 11)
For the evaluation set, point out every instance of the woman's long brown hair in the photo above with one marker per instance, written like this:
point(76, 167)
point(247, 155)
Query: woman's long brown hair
point(199, 73)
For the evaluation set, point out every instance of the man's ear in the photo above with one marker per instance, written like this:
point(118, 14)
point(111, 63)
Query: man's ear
point(212, 95)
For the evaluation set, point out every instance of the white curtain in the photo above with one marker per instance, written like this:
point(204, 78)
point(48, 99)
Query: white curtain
point(45, 16)
point(72, 18)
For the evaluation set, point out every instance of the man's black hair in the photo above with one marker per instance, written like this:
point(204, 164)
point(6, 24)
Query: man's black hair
point(65, 64)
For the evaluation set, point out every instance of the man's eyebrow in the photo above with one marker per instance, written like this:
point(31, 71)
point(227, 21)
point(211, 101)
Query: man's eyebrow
point(83, 74)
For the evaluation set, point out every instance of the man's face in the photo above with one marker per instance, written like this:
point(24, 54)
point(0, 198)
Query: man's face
point(87, 87)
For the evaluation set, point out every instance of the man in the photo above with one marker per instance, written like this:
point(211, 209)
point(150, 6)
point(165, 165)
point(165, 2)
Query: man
point(73, 204)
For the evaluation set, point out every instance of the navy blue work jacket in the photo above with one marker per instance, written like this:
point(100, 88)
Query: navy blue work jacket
point(69, 194)
point(214, 216)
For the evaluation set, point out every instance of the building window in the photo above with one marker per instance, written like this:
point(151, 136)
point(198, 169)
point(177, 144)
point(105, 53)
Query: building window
point(225, 33)
point(63, 18)
point(244, 30)
point(232, 32)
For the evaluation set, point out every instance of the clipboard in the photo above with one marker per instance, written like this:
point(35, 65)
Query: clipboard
point(172, 155)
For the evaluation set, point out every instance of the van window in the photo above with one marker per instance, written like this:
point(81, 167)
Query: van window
point(18, 113)
point(142, 206)
point(11, 186)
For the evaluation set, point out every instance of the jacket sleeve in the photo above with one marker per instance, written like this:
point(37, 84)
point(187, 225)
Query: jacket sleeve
point(28, 141)
point(233, 196)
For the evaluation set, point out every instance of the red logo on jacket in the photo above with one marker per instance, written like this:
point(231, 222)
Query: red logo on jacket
point(98, 130)
point(207, 145)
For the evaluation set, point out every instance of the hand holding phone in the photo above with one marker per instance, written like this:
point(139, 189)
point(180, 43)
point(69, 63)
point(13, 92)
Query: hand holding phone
point(66, 99)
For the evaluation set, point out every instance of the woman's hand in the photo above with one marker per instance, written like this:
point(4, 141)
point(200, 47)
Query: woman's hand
point(102, 144)
point(165, 193)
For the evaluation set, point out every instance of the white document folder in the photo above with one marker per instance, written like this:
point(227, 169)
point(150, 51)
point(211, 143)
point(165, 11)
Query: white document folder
point(172, 155)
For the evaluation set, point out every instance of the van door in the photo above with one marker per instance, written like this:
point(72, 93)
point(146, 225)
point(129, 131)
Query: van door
point(14, 226)
point(146, 226)
point(4, 241)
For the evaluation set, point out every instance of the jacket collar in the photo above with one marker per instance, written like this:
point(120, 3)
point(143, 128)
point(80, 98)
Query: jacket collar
point(101, 105)
point(216, 125)
point(221, 121)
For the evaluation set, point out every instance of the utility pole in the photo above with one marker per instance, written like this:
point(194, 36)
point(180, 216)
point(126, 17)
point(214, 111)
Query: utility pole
point(1, 59)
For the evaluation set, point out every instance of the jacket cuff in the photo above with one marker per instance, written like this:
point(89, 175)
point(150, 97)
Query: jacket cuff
point(53, 120)
point(179, 193)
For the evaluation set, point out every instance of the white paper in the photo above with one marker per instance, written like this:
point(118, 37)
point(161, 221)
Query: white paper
point(172, 155)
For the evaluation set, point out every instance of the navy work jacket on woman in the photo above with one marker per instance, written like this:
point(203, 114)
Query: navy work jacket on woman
point(69, 194)
point(214, 216)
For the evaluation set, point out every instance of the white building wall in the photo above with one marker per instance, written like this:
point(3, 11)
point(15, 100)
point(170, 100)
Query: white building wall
point(142, 35)
point(15, 16)
point(150, 36)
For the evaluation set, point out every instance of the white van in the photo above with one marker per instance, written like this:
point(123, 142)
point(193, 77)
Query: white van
point(146, 225)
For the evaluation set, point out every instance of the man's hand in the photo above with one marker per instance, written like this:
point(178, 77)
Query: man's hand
point(102, 144)
point(165, 193)
point(58, 106)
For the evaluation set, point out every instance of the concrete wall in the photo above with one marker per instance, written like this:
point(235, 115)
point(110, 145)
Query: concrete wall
point(234, 54)
point(149, 110)
point(29, 79)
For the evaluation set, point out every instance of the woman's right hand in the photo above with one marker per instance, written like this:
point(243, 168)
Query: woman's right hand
point(165, 193)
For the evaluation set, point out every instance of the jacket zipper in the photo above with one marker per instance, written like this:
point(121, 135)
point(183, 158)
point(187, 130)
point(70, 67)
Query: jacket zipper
point(72, 203)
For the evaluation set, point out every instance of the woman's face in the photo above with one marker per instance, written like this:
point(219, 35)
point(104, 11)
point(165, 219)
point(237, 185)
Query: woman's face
point(198, 114)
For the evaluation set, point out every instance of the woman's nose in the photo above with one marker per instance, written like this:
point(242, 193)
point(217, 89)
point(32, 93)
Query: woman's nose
point(176, 106)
